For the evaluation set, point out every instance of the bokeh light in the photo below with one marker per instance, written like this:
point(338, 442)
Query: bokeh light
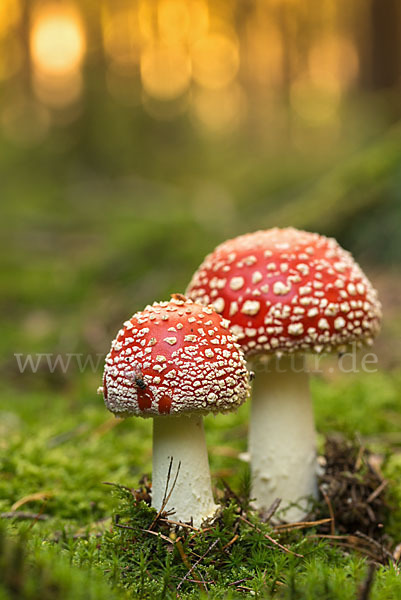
point(182, 20)
point(57, 40)
point(215, 60)
point(57, 50)
point(274, 61)
point(334, 57)
point(165, 70)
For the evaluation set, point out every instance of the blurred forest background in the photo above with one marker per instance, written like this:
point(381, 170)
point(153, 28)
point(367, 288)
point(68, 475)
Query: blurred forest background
point(135, 135)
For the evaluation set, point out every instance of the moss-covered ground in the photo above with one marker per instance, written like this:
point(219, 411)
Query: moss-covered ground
point(58, 449)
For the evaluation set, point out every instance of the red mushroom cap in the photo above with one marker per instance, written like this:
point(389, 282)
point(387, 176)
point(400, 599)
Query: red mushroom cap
point(285, 290)
point(172, 358)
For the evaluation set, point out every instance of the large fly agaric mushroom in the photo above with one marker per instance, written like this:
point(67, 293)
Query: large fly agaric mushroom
point(177, 361)
point(286, 293)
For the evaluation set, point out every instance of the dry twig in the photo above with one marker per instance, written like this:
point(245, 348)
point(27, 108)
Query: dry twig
point(167, 495)
point(268, 537)
point(196, 564)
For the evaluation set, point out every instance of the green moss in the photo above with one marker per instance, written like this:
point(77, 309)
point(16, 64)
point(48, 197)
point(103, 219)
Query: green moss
point(68, 454)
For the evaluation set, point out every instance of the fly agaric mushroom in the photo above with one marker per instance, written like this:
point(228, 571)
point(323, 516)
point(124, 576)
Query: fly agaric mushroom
point(177, 361)
point(286, 293)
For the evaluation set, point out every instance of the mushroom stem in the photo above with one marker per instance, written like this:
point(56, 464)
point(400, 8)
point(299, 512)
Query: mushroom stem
point(282, 436)
point(183, 439)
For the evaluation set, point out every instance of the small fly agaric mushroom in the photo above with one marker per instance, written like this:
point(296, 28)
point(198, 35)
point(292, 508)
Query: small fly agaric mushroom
point(286, 293)
point(177, 361)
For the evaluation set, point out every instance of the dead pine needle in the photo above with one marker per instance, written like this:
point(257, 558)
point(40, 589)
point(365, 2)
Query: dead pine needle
point(231, 542)
point(331, 511)
point(301, 525)
point(167, 494)
point(271, 511)
point(197, 563)
point(185, 560)
point(268, 537)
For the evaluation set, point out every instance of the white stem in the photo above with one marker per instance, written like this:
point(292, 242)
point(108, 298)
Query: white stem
point(282, 436)
point(183, 440)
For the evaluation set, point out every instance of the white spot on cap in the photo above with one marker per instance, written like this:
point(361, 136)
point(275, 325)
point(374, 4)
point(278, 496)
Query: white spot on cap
point(295, 329)
point(236, 283)
point(331, 310)
point(171, 340)
point(250, 307)
point(233, 308)
point(323, 324)
point(219, 305)
point(238, 331)
point(280, 288)
point(339, 266)
point(256, 277)
point(339, 323)
point(209, 353)
point(306, 300)
point(351, 289)
point(303, 268)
